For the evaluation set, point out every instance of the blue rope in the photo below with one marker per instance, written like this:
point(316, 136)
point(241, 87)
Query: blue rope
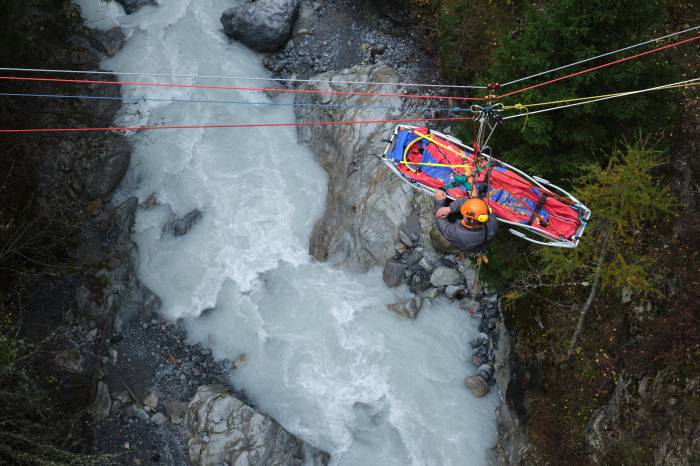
point(235, 102)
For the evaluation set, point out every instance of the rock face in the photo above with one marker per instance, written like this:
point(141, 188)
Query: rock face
point(131, 6)
point(262, 25)
point(366, 204)
point(224, 430)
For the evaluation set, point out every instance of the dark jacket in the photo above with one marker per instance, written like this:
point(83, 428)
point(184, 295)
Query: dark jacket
point(459, 236)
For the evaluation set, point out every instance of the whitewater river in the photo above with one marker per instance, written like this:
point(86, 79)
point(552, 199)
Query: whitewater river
point(325, 356)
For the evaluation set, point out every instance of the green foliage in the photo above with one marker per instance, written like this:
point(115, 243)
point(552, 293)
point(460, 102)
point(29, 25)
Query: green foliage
point(626, 201)
point(466, 32)
point(558, 32)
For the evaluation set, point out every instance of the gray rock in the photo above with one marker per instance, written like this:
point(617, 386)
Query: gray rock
point(108, 42)
point(131, 6)
point(70, 360)
point(110, 170)
point(181, 226)
point(480, 340)
point(365, 205)
point(478, 386)
point(409, 308)
point(393, 273)
point(137, 412)
point(425, 264)
point(431, 293)
point(103, 402)
point(444, 276)
point(468, 304)
point(122, 397)
point(419, 282)
point(159, 419)
point(452, 290)
point(151, 400)
point(263, 25)
point(415, 256)
point(405, 238)
point(469, 275)
point(485, 371)
point(222, 429)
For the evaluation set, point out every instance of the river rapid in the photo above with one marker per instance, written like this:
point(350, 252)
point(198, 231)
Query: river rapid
point(325, 357)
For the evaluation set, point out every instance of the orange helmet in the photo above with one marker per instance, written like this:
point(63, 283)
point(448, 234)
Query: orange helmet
point(474, 210)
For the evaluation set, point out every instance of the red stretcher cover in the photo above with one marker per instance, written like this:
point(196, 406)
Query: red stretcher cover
point(511, 196)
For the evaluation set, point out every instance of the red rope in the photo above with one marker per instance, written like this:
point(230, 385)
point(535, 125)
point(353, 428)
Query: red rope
point(614, 62)
point(241, 125)
point(231, 88)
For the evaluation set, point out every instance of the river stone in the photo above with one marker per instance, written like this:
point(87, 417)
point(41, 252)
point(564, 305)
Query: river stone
point(151, 401)
point(415, 256)
point(452, 290)
point(419, 282)
point(425, 264)
point(444, 276)
point(181, 226)
point(103, 403)
point(468, 304)
point(409, 308)
point(108, 42)
point(224, 430)
point(262, 25)
point(159, 419)
point(131, 6)
point(393, 273)
point(405, 238)
point(478, 386)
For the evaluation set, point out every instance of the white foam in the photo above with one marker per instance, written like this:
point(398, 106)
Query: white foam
point(325, 357)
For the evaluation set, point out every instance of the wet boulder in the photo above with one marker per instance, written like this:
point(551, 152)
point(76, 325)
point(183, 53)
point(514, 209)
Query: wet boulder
point(224, 430)
point(131, 6)
point(262, 25)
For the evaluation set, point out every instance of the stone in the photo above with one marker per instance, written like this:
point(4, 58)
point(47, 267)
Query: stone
point(263, 25)
point(419, 282)
point(393, 273)
point(425, 264)
point(181, 226)
point(123, 397)
point(470, 277)
point(478, 386)
point(468, 304)
point(70, 360)
point(159, 419)
point(222, 429)
point(130, 6)
point(409, 308)
point(452, 290)
point(108, 42)
point(444, 276)
point(405, 238)
point(430, 293)
point(150, 202)
point(151, 400)
point(415, 257)
point(480, 340)
point(626, 296)
point(365, 206)
point(485, 371)
point(103, 403)
point(137, 412)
